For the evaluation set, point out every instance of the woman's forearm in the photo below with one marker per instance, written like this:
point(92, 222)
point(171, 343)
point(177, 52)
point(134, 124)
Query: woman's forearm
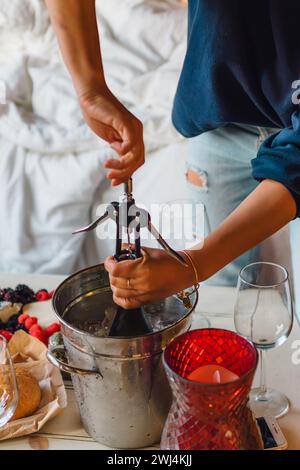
point(75, 24)
point(267, 209)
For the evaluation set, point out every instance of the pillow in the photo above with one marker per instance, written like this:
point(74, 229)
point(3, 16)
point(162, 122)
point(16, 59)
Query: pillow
point(44, 197)
point(151, 28)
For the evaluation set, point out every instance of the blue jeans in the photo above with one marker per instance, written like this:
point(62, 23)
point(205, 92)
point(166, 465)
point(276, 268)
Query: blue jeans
point(222, 161)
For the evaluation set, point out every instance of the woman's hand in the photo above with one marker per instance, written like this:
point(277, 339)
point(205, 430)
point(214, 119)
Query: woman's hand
point(111, 121)
point(153, 277)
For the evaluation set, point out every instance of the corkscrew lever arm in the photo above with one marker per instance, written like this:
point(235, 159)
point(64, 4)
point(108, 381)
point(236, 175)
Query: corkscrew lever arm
point(165, 245)
point(93, 225)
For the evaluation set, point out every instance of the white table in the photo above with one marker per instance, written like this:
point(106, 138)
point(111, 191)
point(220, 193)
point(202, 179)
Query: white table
point(66, 432)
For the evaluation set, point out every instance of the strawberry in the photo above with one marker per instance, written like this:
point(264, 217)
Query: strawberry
point(23, 317)
point(40, 335)
point(42, 295)
point(35, 327)
point(6, 334)
point(51, 294)
point(30, 321)
point(51, 329)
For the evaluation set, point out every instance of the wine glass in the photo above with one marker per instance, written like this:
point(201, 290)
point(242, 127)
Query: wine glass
point(264, 314)
point(8, 384)
point(182, 226)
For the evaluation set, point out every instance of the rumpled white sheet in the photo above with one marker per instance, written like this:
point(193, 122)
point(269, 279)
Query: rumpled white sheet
point(50, 162)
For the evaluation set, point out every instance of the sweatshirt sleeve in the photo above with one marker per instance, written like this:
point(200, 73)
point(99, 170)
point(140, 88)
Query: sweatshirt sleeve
point(278, 159)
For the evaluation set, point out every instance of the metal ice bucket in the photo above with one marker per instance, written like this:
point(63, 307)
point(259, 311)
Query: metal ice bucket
point(120, 385)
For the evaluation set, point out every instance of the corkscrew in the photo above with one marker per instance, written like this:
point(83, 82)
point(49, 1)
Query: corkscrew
point(127, 215)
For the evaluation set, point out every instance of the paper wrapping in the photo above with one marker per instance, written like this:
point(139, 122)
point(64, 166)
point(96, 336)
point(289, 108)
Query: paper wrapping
point(30, 354)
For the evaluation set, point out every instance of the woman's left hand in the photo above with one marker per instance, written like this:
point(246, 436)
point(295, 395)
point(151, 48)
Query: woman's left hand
point(154, 276)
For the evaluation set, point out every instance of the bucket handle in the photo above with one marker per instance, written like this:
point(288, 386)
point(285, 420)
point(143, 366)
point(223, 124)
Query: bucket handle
point(55, 352)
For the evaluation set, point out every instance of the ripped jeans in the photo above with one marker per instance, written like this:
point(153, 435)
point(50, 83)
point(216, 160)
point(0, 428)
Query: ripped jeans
point(219, 175)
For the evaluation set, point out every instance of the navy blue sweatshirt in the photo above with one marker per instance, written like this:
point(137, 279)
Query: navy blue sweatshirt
point(243, 66)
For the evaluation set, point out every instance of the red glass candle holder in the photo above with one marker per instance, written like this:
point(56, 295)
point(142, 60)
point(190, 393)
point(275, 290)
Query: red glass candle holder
point(204, 415)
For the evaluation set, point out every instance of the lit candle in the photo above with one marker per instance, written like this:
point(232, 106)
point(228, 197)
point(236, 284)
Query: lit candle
point(212, 374)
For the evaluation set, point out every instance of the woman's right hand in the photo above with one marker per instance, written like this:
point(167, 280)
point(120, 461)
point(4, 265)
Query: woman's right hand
point(111, 121)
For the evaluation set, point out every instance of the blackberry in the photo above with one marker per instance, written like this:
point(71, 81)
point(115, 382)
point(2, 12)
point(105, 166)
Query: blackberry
point(2, 325)
point(2, 293)
point(12, 323)
point(14, 317)
point(9, 296)
point(22, 294)
point(22, 300)
point(24, 290)
point(26, 294)
point(12, 329)
point(21, 327)
point(18, 299)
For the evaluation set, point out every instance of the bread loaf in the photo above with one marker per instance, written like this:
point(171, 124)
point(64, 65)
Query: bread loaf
point(29, 394)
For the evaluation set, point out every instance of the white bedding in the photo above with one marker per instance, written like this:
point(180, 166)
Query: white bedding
point(50, 162)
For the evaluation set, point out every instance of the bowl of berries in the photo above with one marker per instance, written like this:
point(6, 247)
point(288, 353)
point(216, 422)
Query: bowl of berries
point(15, 305)
point(25, 329)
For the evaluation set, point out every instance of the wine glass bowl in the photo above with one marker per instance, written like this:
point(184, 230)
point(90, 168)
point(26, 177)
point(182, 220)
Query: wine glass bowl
point(8, 384)
point(263, 313)
point(263, 307)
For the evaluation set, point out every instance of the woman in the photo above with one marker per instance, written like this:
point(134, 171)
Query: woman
point(239, 82)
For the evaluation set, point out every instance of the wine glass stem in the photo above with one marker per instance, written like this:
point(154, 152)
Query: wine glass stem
point(262, 385)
